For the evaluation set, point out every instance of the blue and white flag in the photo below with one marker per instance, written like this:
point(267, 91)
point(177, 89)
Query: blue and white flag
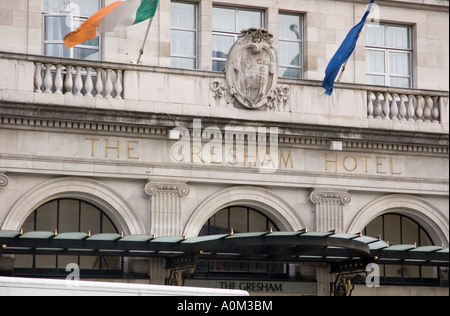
point(344, 52)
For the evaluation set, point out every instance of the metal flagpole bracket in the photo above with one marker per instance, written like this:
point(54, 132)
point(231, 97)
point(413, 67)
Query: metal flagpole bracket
point(141, 51)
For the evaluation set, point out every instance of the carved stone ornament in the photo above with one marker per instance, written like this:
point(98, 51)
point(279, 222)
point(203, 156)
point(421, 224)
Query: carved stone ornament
point(153, 189)
point(252, 69)
point(3, 180)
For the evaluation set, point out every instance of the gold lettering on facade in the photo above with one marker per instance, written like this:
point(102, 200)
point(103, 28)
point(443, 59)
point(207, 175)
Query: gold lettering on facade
point(328, 161)
point(93, 140)
point(380, 164)
point(345, 163)
point(360, 164)
point(132, 148)
point(289, 159)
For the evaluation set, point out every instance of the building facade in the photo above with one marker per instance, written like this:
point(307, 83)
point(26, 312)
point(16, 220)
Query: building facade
point(190, 143)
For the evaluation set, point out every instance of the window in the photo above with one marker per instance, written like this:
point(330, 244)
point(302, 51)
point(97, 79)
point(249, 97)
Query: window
point(240, 219)
point(227, 25)
point(400, 229)
point(183, 48)
point(68, 215)
point(62, 17)
point(389, 55)
point(291, 46)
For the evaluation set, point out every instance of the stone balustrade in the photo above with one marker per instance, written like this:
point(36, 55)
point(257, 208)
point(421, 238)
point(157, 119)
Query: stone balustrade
point(106, 85)
point(405, 105)
point(86, 80)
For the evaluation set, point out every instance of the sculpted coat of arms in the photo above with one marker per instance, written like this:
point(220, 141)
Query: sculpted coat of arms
point(252, 69)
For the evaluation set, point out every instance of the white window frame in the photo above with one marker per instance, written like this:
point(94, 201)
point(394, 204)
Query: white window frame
point(300, 41)
point(72, 18)
point(195, 30)
point(387, 51)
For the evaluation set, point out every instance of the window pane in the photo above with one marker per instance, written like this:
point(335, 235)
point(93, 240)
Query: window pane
point(249, 19)
point(290, 27)
point(398, 37)
point(56, 6)
point(185, 63)
point(400, 82)
point(86, 7)
point(375, 228)
point(221, 45)
point(294, 73)
point(183, 43)
point(69, 216)
point(88, 54)
point(90, 219)
point(392, 229)
point(399, 63)
point(219, 223)
point(224, 19)
point(290, 53)
point(410, 231)
point(238, 219)
point(375, 61)
point(257, 222)
point(219, 66)
point(46, 217)
point(56, 28)
point(375, 80)
point(375, 35)
point(183, 15)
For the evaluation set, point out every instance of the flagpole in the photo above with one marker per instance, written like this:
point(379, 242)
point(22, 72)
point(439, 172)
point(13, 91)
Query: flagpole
point(342, 72)
point(141, 51)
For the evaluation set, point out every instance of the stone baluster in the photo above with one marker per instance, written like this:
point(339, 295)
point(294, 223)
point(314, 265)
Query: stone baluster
point(394, 107)
point(419, 110)
point(99, 83)
point(78, 82)
point(435, 113)
point(48, 80)
point(58, 80)
point(402, 108)
point(118, 85)
point(386, 107)
point(428, 109)
point(369, 105)
point(88, 85)
point(411, 110)
point(377, 110)
point(68, 83)
point(108, 84)
point(38, 78)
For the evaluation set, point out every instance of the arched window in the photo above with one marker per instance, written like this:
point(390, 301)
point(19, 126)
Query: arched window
point(240, 219)
point(400, 229)
point(68, 215)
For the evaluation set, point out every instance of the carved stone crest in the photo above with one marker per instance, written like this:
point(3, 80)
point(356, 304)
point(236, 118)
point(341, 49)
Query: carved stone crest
point(252, 69)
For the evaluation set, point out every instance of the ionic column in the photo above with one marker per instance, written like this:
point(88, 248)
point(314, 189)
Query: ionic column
point(330, 209)
point(165, 207)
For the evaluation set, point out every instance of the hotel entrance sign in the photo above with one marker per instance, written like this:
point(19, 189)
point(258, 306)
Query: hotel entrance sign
point(252, 69)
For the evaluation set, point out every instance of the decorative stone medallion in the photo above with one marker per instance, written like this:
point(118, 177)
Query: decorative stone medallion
point(252, 69)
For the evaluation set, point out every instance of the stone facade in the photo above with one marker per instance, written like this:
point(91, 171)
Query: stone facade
point(117, 150)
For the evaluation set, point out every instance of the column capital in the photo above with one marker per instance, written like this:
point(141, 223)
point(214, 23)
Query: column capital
point(318, 196)
point(4, 180)
point(154, 188)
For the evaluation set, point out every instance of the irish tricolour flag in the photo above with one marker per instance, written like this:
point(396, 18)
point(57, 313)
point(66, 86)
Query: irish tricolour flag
point(114, 17)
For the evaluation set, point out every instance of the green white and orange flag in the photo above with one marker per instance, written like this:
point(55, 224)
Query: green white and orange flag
point(111, 18)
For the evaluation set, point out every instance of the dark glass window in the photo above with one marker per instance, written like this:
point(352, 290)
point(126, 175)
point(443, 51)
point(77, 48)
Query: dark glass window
point(399, 229)
point(64, 216)
point(240, 219)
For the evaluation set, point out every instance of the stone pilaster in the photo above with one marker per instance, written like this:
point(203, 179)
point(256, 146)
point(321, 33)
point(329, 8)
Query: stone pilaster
point(330, 208)
point(165, 207)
